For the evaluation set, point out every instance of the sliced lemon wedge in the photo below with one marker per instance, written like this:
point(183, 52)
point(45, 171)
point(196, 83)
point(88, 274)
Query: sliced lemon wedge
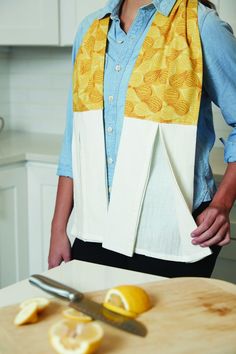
point(28, 314)
point(71, 337)
point(78, 316)
point(128, 300)
point(41, 302)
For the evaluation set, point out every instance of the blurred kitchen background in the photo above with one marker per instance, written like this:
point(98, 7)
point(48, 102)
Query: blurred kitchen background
point(36, 39)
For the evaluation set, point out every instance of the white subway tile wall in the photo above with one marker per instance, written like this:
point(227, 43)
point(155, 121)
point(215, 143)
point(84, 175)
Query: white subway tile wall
point(34, 83)
point(39, 84)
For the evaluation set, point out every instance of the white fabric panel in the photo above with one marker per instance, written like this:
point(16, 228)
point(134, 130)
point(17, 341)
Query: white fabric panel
point(89, 172)
point(180, 143)
point(166, 221)
point(129, 184)
point(78, 216)
point(151, 199)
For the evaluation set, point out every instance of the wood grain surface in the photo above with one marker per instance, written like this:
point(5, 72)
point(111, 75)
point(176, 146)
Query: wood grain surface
point(189, 316)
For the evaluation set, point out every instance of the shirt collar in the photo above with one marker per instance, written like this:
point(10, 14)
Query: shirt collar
point(162, 6)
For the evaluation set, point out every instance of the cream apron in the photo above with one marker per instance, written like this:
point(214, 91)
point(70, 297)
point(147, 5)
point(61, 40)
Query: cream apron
point(154, 173)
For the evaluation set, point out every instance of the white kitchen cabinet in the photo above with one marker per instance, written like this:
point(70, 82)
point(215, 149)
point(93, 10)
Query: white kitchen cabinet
point(27, 197)
point(13, 224)
point(72, 12)
point(42, 185)
point(28, 22)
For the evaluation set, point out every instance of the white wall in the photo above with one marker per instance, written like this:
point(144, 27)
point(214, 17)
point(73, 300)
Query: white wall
point(4, 84)
point(39, 83)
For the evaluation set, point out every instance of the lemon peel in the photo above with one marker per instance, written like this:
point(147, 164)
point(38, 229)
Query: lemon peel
point(128, 300)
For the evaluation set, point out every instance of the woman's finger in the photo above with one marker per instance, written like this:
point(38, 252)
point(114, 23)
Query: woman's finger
point(211, 232)
point(226, 240)
point(209, 218)
point(219, 237)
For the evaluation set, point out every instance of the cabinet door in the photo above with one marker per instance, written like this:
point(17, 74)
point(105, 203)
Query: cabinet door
point(42, 184)
point(13, 225)
point(42, 188)
point(28, 22)
point(72, 12)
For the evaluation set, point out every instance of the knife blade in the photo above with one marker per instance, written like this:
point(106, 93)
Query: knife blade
point(91, 308)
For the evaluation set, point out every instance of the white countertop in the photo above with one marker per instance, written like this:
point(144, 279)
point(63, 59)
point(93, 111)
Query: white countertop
point(16, 146)
point(84, 276)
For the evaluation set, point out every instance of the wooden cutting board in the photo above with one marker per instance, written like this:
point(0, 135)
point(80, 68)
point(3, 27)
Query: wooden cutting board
point(189, 316)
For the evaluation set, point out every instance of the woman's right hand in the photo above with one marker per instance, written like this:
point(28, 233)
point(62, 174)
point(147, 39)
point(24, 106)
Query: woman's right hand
point(60, 249)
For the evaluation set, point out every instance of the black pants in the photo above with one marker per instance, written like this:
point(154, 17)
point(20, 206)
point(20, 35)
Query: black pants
point(95, 253)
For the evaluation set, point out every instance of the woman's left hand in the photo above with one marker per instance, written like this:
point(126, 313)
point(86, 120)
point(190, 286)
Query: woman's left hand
point(213, 227)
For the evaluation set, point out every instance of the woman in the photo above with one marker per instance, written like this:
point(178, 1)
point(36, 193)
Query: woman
point(135, 163)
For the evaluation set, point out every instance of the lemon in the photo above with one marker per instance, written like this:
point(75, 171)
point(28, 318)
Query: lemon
point(28, 314)
point(128, 300)
point(72, 314)
point(70, 337)
point(41, 302)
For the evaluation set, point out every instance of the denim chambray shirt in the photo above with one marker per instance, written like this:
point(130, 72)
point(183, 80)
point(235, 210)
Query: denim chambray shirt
point(219, 86)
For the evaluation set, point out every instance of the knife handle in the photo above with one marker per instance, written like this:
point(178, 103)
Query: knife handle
point(55, 288)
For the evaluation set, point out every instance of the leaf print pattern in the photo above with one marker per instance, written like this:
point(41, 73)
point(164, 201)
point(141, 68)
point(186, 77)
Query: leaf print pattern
point(166, 82)
point(88, 72)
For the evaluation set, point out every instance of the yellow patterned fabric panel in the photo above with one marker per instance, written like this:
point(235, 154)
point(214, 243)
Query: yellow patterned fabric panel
point(166, 82)
point(89, 68)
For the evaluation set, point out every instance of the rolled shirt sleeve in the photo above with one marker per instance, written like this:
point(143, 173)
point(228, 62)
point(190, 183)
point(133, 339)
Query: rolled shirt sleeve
point(219, 54)
point(65, 159)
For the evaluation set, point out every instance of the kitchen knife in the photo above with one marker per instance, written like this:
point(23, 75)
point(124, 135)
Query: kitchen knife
point(91, 308)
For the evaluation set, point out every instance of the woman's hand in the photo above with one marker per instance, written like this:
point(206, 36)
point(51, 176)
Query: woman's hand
point(213, 227)
point(60, 249)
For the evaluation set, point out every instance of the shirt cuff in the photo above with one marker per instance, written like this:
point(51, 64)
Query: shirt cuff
point(230, 151)
point(64, 171)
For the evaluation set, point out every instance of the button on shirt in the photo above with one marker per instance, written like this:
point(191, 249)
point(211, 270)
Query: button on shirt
point(122, 52)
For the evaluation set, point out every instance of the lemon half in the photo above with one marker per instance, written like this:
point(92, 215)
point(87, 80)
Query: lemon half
point(28, 314)
point(70, 337)
point(41, 302)
point(128, 300)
